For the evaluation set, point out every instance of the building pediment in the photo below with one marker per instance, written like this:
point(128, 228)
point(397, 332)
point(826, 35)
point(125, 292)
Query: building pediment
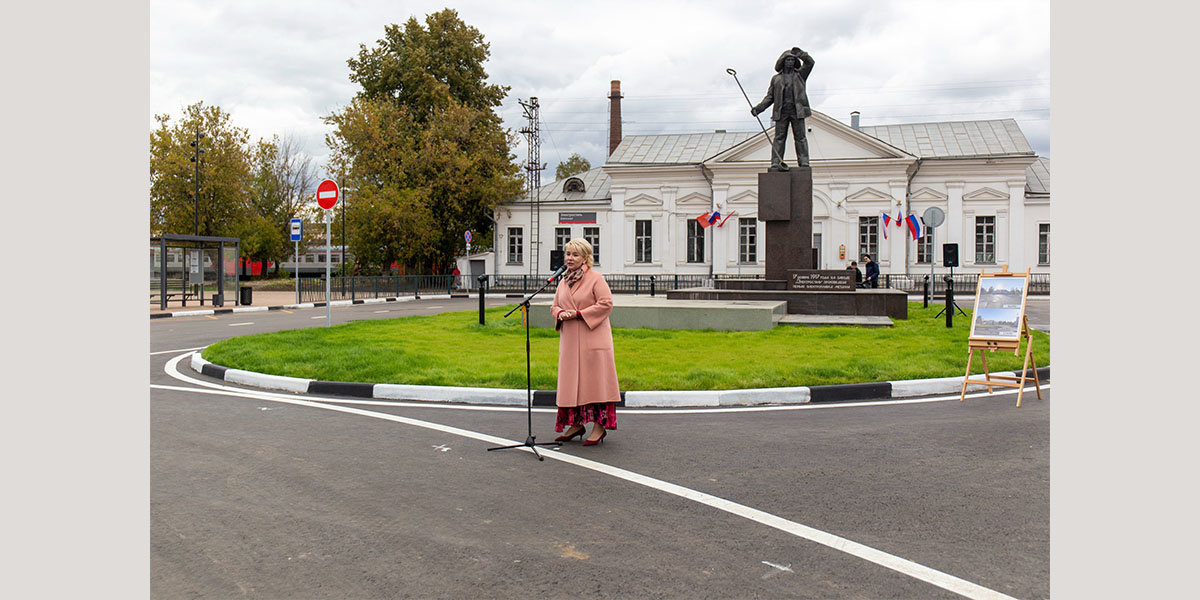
point(986, 193)
point(694, 199)
point(746, 197)
point(928, 194)
point(828, 139)
point(644, 200)
point(868, 194)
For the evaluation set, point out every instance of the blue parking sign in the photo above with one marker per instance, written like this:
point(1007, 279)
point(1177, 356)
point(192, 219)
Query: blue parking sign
point(296, 225)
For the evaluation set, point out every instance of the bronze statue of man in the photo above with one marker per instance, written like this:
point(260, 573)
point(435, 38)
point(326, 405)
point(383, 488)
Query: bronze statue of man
point(787, 94)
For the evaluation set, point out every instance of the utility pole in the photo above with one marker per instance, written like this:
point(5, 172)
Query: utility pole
point(533, 178)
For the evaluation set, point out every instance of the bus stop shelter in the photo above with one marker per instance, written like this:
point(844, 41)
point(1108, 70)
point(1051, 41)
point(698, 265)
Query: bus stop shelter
point(186, 267)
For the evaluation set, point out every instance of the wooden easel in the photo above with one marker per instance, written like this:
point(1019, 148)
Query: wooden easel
point(983, 344)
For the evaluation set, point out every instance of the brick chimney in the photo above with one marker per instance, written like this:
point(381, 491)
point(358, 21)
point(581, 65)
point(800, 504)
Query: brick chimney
point(614, 116)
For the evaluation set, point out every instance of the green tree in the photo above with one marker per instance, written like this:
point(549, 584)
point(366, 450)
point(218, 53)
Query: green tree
point(422, 144)
point(282, 180)
point(224, 173)
point(574, 165)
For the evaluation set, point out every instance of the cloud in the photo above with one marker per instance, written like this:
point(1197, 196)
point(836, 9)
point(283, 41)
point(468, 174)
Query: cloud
point(280, 67)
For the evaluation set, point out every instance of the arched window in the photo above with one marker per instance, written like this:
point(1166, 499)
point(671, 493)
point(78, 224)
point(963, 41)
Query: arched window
point(573, 184)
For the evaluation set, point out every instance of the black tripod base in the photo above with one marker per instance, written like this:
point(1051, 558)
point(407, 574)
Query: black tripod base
point(955, 305)
point(529, 443)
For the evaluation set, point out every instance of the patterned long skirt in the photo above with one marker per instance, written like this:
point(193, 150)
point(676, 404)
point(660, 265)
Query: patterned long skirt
point(604, 413)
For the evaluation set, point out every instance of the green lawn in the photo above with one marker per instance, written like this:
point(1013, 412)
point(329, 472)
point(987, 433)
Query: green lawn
point(453, 349)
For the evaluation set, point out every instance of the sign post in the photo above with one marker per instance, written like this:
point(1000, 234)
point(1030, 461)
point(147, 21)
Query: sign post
point(297, 227)
point(327, 198)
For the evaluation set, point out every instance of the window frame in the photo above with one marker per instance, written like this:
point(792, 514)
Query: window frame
point(747, 240)
point(594, 240)
point(869, 236)
point(516, 240)
point(643, 242)
point(694, 242)
point(985, 240)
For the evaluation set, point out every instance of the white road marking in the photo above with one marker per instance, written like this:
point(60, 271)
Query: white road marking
point(442, 447)
point(172, 351)
point(774, 573)
point(900, 565)
point(320, 317)
point(240, 324)
point(780, 567)
point(381, 311)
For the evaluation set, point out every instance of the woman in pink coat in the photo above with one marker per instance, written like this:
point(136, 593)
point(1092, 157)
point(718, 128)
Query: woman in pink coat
point(587, 371)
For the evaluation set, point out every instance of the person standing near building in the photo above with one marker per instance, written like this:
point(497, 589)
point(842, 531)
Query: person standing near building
point(588, 391)
point(872, 280)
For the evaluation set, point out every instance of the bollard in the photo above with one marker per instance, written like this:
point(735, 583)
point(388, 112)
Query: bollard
point(949, 302)
point(482, 291)
point(636, 281)
point(651, 286)
point(925, 293)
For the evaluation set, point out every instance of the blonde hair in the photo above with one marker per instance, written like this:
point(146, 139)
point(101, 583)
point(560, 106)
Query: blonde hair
point(583, 247)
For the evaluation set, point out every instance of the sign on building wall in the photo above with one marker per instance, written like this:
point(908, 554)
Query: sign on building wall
point(576, 217)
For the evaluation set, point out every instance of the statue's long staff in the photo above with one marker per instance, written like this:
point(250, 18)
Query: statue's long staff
point(760, 124)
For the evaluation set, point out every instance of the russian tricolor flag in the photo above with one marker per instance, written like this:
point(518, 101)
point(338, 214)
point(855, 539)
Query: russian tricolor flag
point(886, 221)
point(914, 226)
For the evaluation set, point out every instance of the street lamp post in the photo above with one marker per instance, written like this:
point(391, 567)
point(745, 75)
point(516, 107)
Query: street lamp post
point(197, 151)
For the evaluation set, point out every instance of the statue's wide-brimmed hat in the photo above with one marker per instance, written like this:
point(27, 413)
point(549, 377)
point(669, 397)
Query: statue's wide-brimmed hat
point(787, 53)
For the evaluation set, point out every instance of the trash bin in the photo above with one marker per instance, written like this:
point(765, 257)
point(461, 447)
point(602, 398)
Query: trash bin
point(245, 295)
point(218, 300)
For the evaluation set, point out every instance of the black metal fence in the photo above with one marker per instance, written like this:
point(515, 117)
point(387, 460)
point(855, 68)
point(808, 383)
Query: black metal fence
point(312, 289)
point(964, 283)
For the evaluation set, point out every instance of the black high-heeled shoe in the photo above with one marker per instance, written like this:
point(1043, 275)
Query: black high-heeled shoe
point(567, 438)
point(603, 432)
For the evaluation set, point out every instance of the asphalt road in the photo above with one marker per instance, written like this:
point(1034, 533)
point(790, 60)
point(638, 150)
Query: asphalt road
point(261, 495)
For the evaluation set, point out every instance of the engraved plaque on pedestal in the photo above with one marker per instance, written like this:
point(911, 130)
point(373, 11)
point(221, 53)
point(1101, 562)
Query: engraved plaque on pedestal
point(812, 280)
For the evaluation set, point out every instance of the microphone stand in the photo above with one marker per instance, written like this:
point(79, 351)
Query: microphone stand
point(529, 439)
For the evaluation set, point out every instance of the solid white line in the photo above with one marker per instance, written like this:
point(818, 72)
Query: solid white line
point(240, 324)
point(381, 311)
point(890, 561)
point(179, 350)
point(320, 317)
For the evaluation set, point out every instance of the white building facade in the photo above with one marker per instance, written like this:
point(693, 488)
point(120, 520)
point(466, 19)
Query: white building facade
point(640, 208)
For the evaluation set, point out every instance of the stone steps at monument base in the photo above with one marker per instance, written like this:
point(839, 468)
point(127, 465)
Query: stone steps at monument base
point(821, 320)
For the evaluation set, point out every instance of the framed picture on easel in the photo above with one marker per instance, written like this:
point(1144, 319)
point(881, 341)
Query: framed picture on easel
point(999, 323)
point(999, 306)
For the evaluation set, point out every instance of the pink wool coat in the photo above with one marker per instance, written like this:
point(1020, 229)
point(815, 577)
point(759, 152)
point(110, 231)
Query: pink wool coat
point(587, 369)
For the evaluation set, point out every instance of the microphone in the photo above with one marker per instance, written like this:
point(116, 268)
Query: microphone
point(557, 274)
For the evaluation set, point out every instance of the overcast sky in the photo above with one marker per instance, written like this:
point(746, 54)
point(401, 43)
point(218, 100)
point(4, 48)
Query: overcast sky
point(278, 67)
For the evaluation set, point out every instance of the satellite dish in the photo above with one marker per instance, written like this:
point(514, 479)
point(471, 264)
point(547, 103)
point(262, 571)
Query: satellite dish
point(933, 216)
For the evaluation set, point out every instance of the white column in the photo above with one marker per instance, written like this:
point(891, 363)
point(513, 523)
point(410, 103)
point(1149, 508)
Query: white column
point(720, 237)
point(952, 233)
point(669, 240)
point(1002, 249)
point(838, 229)
point(1016, 225)
point(615, 252)
point(897, 245)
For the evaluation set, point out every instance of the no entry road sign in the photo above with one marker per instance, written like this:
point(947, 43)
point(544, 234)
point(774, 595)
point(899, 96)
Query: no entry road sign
point(327, 194)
